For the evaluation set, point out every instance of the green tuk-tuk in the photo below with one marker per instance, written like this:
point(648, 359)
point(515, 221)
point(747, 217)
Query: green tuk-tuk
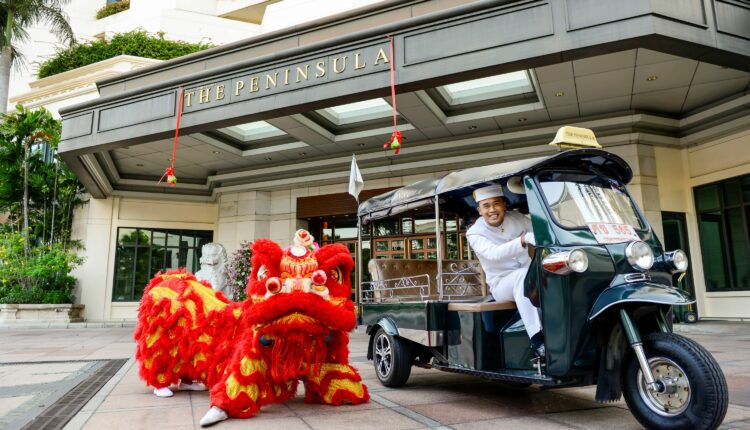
point(598, 274)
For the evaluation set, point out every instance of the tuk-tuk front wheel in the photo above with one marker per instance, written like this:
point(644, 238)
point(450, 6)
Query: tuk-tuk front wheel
point(692, 392)
point(392, 359)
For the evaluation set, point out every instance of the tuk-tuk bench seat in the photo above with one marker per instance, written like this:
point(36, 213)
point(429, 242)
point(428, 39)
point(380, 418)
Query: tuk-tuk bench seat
point(416, 280)
point(481, 306)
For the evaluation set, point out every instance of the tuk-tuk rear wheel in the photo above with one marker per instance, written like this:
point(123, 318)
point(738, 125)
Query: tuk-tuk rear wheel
point(392, 359)
point(693, 392)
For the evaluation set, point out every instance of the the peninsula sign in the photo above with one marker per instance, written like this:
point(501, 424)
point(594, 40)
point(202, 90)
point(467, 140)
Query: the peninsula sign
point(269, 81)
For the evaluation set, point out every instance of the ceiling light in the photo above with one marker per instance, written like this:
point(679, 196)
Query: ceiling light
point(472, 127)
point(521, 119)
point(361, 145)
point(303, 153)
point(138, 165)
point(559, 94)
point(267, 158)
point(215, 152)
point(652, 78)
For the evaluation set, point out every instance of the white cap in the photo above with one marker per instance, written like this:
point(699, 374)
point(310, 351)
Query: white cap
point(487, 192)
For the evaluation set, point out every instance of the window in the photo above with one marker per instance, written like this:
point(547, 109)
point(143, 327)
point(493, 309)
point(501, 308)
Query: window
point(143, 252)
point(724, 224)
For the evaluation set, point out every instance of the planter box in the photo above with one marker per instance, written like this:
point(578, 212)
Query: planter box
point(40, 313)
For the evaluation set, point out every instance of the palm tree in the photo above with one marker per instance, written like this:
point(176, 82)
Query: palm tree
point(23, 130)
point(15, 17)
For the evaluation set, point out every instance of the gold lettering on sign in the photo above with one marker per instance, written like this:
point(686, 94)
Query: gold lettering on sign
point(271, 80)
point(301, 72)
point(286, 76)
point(220, 92)
point(357, 64)
point(204, 95)
point(189, 98)
point(321, 69)
point(335, 63)
point(254, 84)
point(238, 86)
point(381, 57)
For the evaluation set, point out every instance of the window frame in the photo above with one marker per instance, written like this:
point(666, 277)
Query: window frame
point(198, 238)
point(728, 260)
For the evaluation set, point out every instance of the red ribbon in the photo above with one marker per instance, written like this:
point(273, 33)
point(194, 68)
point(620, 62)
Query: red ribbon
point(169, 171)
point(396, 139)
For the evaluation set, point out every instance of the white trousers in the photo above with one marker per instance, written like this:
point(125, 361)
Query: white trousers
point(510, 288)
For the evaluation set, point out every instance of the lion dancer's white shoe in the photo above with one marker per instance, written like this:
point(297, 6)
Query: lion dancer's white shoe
point(181, 386)
point(213, 416)
point(163, 392)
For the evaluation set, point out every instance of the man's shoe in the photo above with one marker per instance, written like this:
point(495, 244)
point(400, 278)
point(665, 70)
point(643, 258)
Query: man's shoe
point(163, 392)
point(193, 386)
point(540, 351)
point(213, 416)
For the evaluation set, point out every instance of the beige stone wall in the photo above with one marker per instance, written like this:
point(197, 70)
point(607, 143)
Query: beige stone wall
point(96, 224)
point(680, 170)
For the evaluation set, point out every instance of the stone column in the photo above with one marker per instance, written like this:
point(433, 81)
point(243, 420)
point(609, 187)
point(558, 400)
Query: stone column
point(244, 216)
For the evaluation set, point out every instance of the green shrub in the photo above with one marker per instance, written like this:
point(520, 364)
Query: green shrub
point(113, 8)
point(43, 277)
point(238, 271)
point(137, 43)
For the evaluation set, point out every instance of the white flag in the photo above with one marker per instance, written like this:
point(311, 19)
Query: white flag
point(355, 179)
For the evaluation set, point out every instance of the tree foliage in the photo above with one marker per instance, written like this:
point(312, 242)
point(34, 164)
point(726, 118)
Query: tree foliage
point(15, 17)
point(37, 189)
point(137, 43)
point(113, 8)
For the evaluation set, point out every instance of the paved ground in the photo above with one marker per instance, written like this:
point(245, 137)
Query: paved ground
point(37, 367)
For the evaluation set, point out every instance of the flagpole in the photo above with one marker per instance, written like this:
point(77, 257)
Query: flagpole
point(355, 186)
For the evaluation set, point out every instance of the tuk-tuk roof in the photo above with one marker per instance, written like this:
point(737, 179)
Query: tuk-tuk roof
point(421, 193)
point(399, 200)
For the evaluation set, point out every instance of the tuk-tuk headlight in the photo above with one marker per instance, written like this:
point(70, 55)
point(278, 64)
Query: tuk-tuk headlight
point(677, 261)
point(640, 255)
point(562, 263)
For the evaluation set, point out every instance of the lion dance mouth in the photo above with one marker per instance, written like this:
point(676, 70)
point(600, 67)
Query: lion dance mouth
point(293, 327)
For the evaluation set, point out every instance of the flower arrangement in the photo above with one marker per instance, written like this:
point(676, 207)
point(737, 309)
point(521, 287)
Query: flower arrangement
point(238, 271)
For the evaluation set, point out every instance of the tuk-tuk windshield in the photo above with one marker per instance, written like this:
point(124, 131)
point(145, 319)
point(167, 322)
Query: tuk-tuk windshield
point(581, 204)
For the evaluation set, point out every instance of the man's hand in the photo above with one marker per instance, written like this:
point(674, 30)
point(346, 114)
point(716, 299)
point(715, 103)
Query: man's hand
point(528, 239)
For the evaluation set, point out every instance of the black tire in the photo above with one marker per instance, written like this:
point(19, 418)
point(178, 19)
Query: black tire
point(700, 399)
point(392, 359)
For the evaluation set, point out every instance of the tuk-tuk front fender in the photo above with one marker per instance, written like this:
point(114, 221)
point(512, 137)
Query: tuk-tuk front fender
point(387, 324)
point(645, 292)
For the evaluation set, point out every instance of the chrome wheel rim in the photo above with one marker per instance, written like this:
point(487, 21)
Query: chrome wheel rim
point(676, 394)
point(383, 356)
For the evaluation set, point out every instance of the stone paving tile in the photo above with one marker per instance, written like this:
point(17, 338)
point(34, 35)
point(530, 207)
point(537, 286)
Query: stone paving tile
point(157, 418)
point(739, 389)
point(373, 419)
point(27, 374)
point(515, 423)
point(597, 419)
point(148, 400)
point(737, 413)
point(299, 407)
point(464, 410)
point(412, 395)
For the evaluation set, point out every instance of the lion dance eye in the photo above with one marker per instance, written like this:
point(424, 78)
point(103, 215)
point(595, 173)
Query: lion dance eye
point(336, 275)
point(273, 285)
point(262, 272)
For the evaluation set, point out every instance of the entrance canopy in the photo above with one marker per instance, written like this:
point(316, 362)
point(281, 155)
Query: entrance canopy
point(477, 83)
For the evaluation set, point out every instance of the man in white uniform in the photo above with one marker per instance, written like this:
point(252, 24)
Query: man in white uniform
point(499, 240)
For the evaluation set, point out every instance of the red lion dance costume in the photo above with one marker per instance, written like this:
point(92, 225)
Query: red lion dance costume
point(293, 326)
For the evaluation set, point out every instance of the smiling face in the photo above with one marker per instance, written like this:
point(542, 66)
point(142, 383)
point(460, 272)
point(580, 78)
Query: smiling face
point(492, 210)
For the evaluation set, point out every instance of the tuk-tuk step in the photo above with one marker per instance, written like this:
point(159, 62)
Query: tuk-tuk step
point(521, 376)
point(480, 306)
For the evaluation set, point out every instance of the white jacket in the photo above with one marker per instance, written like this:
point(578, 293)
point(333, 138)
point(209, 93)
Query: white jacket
point(499, 249)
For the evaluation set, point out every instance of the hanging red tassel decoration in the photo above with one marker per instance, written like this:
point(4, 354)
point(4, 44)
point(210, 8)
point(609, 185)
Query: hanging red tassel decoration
point(396, 139)
point(169, 171)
